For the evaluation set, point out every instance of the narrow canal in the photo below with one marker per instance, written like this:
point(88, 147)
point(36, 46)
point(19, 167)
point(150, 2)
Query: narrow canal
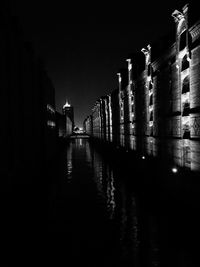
point(104, 212)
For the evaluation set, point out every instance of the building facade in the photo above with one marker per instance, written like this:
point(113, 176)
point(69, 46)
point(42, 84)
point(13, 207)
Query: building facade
point(155, 112)
point(28, 106)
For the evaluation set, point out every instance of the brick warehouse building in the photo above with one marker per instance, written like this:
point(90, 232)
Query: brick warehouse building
point(157, 111)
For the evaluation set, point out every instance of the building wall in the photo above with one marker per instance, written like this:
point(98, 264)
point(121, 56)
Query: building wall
point(25, 93)
point(60, 125)
point(157, 114)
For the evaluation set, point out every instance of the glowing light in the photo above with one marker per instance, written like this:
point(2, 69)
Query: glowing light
point(51, 124)
point(129, 64)
point(119, 76)
point(50, 109)
point(177, 15)
point(174, 170)
point(66, 105)
point(149, 78)
point(143, 157)
point(151, 108)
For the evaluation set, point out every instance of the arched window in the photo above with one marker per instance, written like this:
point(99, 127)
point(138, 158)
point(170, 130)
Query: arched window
point(151, 116)
point(150, 85)
point(186, 127)
point(151, 100)
point(186, 85)
point(185, 63)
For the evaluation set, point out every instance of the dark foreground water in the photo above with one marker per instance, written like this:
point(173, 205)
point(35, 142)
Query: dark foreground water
point(105, 210)
point(99, 207)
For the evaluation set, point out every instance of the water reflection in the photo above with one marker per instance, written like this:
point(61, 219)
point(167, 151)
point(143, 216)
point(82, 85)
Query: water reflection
point(69, 163)
point(127, 218)
point(104, 178)
point(149, 224)
point(111, 193)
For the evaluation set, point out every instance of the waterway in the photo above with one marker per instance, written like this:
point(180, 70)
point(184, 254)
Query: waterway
point(106, 211)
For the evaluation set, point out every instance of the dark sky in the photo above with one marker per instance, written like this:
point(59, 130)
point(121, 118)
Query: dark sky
point(83, 45)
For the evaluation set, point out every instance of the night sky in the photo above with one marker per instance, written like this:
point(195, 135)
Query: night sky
point(83, 45)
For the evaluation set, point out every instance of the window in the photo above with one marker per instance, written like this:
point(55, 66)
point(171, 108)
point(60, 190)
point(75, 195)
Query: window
point(149, 70)
point(151, 100)
point(186, 85)
point(151, 116)
point(182, 43)
point(185, 63)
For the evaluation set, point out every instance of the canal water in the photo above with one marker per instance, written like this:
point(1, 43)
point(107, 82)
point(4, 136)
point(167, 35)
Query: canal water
point(107, 210)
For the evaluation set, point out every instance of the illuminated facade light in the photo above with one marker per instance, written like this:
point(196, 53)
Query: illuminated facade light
point(151, 108)
point(174, 170)
point(51, 124)
point(50, 108)
point(148, 78)
point(177, 15)
point(66, 105)
point(147, 53)
point(129, 64)
point(151, 123)
point(119, 77)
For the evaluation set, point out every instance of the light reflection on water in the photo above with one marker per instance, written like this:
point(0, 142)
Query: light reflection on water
point(111, 194)
point(103, 174)
point(120, 202)
point(150, 223)
point(104, 178)
point(69, 163)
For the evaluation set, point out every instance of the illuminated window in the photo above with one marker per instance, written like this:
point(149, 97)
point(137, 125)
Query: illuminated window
point(187, 156)
point(185, 104)
point(186, 127)
point(150, 123)
point(186, 85)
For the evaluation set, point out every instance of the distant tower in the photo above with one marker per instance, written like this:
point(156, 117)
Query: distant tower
point(68, 111)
